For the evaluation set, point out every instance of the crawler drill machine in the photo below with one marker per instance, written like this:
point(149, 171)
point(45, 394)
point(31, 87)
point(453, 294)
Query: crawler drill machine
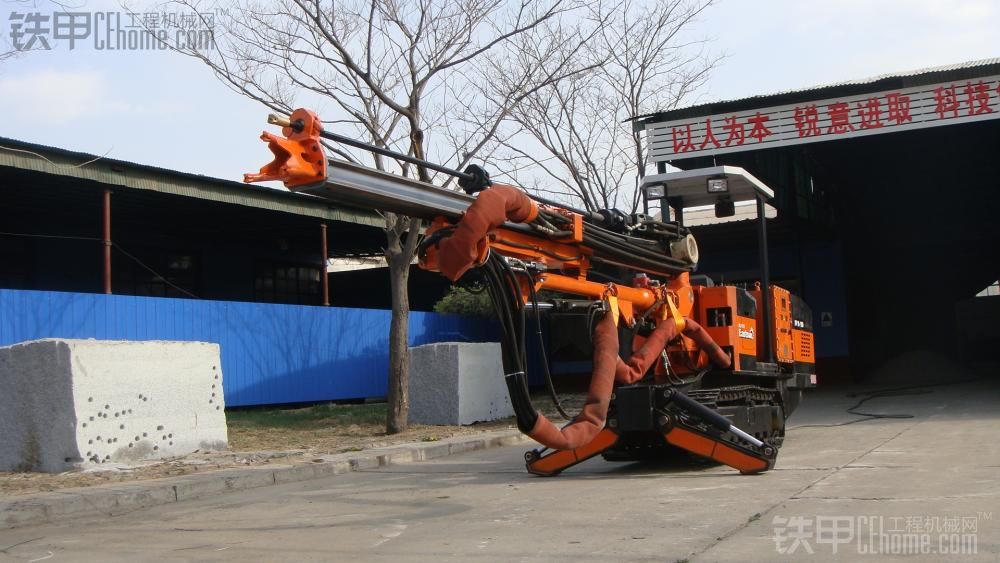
point(678, 362)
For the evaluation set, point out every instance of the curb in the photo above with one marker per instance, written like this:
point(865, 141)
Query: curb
point(113, 500)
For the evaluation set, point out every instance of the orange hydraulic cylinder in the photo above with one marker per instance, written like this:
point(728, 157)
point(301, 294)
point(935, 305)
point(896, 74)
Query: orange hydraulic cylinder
point(640, 298)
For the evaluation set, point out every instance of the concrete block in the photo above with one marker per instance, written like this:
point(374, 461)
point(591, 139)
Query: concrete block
point(22, 513)
point(250, 478)
point(141, 495)
point(340, 467)
point(301, 473)
point(396, 455)
point(364, 462)
point(457, 383)
point(466, 446)
point(198, 486)
point(335, 464)
point(114, 500)
point(515, 440)
point(79, 403)
point(432, 451)
point(215, 482)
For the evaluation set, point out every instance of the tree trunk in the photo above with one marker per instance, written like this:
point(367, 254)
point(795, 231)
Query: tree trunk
point(403, 235)
point(399, 355)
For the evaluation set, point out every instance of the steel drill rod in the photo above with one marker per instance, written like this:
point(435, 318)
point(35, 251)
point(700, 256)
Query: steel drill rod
point(745, 436)
point(360, 186)
point(357, 185)
point(297, 126)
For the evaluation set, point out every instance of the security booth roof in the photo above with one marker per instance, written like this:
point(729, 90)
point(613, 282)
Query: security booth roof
point(689, 188)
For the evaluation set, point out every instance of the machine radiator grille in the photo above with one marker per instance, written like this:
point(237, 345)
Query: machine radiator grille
point(806, 344)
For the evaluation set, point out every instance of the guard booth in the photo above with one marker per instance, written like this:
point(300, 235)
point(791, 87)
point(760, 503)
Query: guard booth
point(887, 207)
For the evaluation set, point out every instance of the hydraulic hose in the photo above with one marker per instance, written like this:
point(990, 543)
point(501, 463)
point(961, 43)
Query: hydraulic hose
point(706, 343)
point(591, 419)
point(628, 372)
point(638, 364)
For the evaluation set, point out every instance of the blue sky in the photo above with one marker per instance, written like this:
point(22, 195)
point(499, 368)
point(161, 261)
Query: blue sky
point(164, 109)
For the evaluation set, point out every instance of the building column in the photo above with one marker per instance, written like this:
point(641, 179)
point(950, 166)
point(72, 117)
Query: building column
point(324, 275)
point(107, 241)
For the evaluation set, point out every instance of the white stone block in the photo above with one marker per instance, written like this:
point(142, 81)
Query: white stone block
point(73, 403)
point(457, 383)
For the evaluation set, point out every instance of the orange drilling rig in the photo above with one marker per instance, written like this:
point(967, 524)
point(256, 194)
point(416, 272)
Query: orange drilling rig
point(678, 362)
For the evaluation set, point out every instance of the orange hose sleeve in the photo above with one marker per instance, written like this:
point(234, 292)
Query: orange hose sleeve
point(591, 419)
point(638, 364)
point(493, 206)
point(706, 344)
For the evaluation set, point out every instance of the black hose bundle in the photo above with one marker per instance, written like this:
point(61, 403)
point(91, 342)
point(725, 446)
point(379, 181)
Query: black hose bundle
point(649, 255)
point(501, 283)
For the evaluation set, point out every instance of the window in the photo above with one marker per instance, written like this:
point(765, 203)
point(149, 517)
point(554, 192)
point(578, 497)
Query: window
point(720, 316)
point(14, 267)
point(278, 282)
point(176, 273)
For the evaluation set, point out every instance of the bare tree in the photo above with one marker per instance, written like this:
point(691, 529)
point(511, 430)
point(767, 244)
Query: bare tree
point(394, 72)
point(583, 144)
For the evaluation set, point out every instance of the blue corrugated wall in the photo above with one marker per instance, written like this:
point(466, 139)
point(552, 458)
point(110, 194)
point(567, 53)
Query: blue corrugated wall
point(270, 353)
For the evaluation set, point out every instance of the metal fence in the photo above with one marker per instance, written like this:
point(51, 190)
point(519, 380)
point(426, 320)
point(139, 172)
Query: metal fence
point(271, 354)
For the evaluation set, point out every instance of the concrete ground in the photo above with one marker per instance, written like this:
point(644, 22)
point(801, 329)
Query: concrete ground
point(925, 485)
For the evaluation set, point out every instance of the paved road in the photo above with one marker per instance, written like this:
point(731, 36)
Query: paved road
point(917, 477)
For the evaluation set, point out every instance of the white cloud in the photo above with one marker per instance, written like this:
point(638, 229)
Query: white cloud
point(60, 97)
point(53, 97)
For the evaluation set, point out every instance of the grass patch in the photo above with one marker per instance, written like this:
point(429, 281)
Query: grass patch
point(310, 418)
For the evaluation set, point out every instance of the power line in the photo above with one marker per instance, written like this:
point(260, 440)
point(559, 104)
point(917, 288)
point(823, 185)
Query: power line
point(154, 272)
point(54, 163)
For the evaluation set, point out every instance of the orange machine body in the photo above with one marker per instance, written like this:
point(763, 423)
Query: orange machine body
point(729, 314)
point(780, 323)
point(791, 329)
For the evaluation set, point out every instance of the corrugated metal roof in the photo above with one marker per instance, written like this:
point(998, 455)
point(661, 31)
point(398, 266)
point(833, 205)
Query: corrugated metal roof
point(53, 160)
point(914, 77)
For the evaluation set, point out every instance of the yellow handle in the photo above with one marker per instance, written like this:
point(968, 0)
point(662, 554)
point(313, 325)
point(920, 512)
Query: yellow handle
point(613, 305)
point(676, 314)
point(275, 119)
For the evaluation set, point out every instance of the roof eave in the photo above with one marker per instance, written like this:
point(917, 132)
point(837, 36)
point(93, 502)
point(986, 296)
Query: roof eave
point(963, 71)
point(51, 160)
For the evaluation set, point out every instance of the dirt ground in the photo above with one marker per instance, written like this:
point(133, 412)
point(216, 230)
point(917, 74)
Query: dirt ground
point(271, 435)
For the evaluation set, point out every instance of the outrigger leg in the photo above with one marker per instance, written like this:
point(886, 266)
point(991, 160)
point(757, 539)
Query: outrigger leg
point(684, 423)
point(688, 424)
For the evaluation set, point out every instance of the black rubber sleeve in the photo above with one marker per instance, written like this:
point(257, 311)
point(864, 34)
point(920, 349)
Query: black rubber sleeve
point(517, 387)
